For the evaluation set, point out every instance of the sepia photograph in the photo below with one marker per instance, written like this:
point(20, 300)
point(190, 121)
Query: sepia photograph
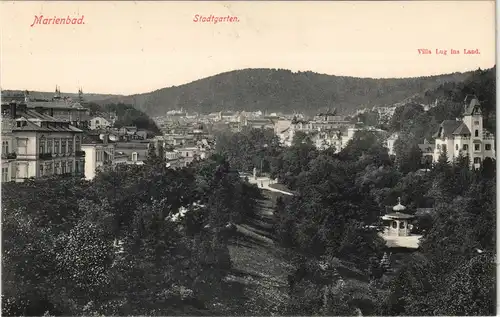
point(238, 158)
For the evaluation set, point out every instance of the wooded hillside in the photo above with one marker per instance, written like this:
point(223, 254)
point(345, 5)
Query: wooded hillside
point(283, 90)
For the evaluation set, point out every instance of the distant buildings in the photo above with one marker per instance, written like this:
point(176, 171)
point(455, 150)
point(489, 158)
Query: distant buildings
point(390, 143)
point(60, 108)
point(102, 121)
point(326, 130)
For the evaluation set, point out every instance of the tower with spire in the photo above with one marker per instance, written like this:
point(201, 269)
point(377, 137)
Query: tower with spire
point(57, 94)
point(80, 95)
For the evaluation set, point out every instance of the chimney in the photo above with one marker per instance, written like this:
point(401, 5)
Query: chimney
point(13, 109)
point(105, 138)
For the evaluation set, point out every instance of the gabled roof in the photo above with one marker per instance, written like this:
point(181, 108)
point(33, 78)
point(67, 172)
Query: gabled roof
point(447, 127)
point(462, 130)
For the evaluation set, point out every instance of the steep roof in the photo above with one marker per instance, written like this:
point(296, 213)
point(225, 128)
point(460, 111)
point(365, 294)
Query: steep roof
point(462, 130)
point(472, 105)
point(30, 116)
point(447, 127)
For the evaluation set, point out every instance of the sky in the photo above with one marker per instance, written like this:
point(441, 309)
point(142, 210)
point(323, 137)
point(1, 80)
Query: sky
point(135, 47)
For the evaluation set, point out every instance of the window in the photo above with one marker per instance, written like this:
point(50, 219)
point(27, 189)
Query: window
point(477, 160)
point(394, 224)
point(50, 149)
point(70, 146)
point(5, 147)
point(466, 147)
point(443, 147)
point(476, 133)
point(22, 146)
point(78, 144)
point(98, 155)
point(401, 225)
point(5, 174)
point(63, 146)
point(476, 122)
point(41, 149)
point(477, 147)
point(41, 169)
point(48, 169)
point(70, 167)
point(57, 168)
point(77, 167)
point(134, 156)
point(439, 146)
point(63, 167)
point(56, 146)
point(456, 147)
point(97, 122)
point(487, 147)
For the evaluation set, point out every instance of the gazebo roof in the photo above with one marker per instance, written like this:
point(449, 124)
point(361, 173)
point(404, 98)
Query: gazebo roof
point(397, 215)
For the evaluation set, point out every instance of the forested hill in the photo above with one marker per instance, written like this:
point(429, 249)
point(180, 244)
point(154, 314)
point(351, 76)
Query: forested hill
point(283, 90)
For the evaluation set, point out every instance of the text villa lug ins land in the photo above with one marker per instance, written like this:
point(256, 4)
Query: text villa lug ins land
point(426, 51)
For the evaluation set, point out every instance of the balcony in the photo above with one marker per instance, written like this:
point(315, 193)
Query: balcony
point(45, 156)
point(80, 153)
point(9, 156)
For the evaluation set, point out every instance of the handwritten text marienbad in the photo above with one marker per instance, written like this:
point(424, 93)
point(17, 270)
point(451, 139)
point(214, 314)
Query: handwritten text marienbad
point(40, 20)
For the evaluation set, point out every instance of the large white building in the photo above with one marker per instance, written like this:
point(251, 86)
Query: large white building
point(36, 145)
point(466, 136)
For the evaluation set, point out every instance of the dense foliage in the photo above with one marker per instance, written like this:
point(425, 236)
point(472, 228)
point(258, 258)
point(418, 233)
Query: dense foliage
point(249, 149)
point(339, 194)
point(282, 90)
point(136, 240)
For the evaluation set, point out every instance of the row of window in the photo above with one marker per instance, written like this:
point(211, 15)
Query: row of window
point(59, 145)
point(465, 147)
point(59, 168)
point(477, 147)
